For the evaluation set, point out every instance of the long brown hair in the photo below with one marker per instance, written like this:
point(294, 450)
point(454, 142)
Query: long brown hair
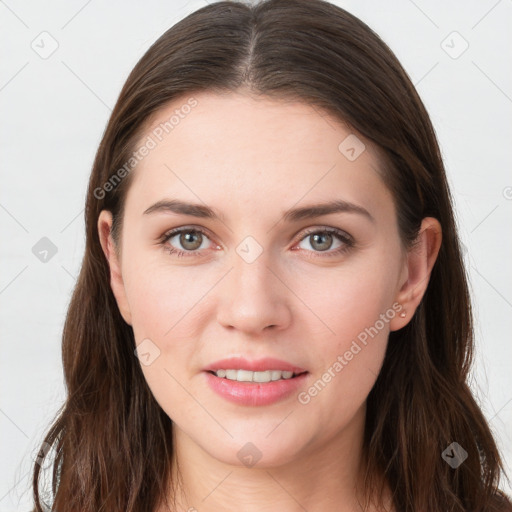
point(111, 441)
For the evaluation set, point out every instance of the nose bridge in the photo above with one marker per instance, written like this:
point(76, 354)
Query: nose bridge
point(252, 297)
point(253, 278)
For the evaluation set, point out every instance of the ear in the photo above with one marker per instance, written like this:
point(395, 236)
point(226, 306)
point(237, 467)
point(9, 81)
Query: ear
point(416, 271)
point(112, 255)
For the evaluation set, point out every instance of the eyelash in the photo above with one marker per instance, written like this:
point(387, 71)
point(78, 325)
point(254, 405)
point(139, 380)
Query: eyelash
point(348, 242)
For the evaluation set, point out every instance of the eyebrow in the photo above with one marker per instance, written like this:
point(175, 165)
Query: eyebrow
point(292, 215)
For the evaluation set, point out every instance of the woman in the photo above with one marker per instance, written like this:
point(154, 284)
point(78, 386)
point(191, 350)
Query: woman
point(272, 311)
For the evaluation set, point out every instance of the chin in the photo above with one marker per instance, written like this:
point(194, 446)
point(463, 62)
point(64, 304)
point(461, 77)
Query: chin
point(258, 451)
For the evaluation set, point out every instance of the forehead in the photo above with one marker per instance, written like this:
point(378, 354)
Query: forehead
point(253, 151)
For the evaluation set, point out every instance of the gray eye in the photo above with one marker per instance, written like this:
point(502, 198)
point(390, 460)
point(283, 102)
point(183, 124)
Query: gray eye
point(321, 241)
point(189, 240)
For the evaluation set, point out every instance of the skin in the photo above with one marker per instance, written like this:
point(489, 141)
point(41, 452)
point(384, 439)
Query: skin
point(251, 160)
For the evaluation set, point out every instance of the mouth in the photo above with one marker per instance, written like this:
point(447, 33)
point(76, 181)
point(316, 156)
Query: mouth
point(255, 388)
point(255, 382)
point(259, 377)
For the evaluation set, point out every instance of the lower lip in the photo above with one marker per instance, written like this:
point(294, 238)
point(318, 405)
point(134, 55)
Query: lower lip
point(255, 393)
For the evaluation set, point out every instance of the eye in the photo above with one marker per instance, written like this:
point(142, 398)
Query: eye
point(188, 241)
point(331, 241)
point(185, 240)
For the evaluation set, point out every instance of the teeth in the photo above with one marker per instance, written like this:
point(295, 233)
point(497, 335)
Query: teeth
point(248, 376)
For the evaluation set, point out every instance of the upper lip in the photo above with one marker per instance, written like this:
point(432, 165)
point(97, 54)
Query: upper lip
point(258, 365)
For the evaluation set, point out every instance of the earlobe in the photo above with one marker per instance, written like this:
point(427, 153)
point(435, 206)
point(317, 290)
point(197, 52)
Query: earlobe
point(416, 272)
point(111, 254)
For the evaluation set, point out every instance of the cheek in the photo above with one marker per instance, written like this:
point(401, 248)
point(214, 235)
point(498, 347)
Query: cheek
point(166, 309)
point(353, 309)
point(350, 364)
point(348, 300)
point(162, 298)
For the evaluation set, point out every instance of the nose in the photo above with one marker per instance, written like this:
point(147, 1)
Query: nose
point(253, 298)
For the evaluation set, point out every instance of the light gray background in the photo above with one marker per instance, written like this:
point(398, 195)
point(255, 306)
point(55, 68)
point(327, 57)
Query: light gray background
point(54, 111)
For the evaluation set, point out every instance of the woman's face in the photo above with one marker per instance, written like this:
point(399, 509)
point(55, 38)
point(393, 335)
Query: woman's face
point(254, 276)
